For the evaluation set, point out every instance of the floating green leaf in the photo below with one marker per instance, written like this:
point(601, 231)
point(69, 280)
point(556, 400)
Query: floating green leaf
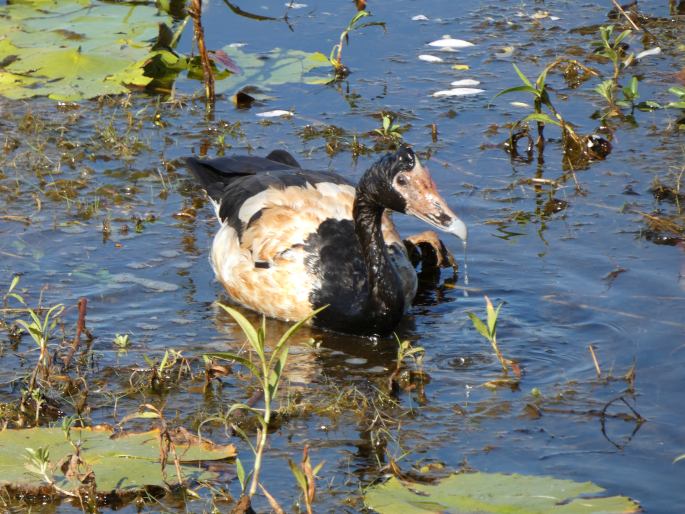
point(121, 463)
point(495, 493)
point(67, 50)
point(274, 68)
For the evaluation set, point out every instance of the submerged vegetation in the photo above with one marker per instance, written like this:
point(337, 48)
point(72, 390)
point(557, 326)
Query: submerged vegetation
point(109, 338)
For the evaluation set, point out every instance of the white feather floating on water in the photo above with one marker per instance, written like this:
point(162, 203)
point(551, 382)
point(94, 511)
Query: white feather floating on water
point(274, 114)
point(419, 17)
point(448, 43)
point(465, 82)
point(430, 58)
point(458, 91)
point(646, 53)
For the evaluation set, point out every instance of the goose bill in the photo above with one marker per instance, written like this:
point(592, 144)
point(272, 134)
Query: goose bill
point(424, 202)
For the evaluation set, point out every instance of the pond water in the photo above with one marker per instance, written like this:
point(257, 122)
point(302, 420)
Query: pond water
point(573, 259)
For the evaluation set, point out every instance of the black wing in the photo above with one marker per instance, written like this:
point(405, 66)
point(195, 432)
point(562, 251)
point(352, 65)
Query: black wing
point(231, 181)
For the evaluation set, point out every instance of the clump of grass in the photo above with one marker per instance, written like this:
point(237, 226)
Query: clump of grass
point(161, 372)
point(121, 341)
point(405, 351)
point(389, 130)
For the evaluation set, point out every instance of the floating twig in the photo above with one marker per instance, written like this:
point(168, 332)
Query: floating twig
point(625, 14)
point(594, 360)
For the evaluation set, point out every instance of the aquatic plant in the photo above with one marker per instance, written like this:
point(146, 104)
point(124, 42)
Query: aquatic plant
point(495, 493)
point(268, 371)
point(488, 330)
point(40, 329)
point(160, 371)
point(679, 91)
point(541, 98)
point(578, 149)
point(335, 57)
point(630, 95)
point(389, 129)
point(613, 48)
point(121, 341)
point(72, 461)
point(405, 350)
point(306, 478)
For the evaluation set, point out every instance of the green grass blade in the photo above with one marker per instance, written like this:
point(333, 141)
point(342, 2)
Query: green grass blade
point(541, 117)
point(15, 281)
point(288, 333)
point(299, 476)
point(479, 325)
point(245, 326)
point(518, 89)
point(237, 358)
point(523, 78)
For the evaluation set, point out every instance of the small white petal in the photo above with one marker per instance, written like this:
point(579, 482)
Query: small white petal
point(465, 82)
point(645, 53)
point(524, 105)
point(458, 91)
point(554, 18)
point(419, 17)
point(430, 58)
point(274, 114)
point(450, 43)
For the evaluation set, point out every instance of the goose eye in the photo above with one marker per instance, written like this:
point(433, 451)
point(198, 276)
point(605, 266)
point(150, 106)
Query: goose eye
point(402, 180)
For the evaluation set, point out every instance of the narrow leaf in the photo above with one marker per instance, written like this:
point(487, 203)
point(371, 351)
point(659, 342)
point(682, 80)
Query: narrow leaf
point(479, 325)
point(523, 78)
point(621, 37)
point(240, 471)
point(237, 358)
point(518, 89)
point(544, 118)
point(245, 325)
point(298, 474)
point(288, 333)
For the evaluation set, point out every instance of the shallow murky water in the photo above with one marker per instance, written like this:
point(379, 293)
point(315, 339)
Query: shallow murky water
point(572, 268)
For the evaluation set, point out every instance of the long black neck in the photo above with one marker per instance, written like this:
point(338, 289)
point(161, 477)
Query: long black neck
point(385, 289)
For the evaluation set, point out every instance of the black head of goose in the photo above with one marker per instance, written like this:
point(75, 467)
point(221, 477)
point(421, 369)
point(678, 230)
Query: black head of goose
point(292, 240)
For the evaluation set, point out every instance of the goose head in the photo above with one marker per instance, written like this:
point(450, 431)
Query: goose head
point(399, 182)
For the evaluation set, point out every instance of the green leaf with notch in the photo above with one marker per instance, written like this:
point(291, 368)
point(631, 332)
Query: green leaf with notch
point(495, 493)
point(127, 462)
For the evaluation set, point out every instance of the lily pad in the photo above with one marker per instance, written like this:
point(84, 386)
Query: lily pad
point(273, 68)
point(119, 463)
point(495, 493)
point(67, 50)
